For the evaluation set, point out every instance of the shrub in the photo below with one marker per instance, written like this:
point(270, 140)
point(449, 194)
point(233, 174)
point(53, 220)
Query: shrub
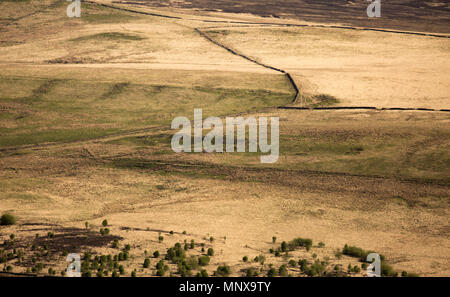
point(115, 274)
point(156, 254)
point(12, 236)
point(105, 223)
point(160, 272)
point(303, 264)
point(274, 239)
point(133, 273)
point(356, 269)
point(160, 238)
point(245, 259)
point(146, 263)
point(387, 270)
point(211, 239)
point(192, 244)
point(223, 270)
point(357, 252)
point(121, 269)
point(292, 263)
point(272, 272)
point(316, 269)
point(202, 273)
point(160, 264)
point(203, 260)
point(284, 246)
point(171, 232)
point(115, 243)
point(251, 272)
point(7, 219)
point(300, 242)
point(210, 252)
point(282, 271)
point(50, 234)
point(184, 232)
point(186, 246)
point(321, 244)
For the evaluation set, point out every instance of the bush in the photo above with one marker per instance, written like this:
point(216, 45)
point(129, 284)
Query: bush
point(160, 238)
point(210, 252)
point(321, 244)
point(146, 263)
point(274, 239)
point(105, 223)
point(356, 269)
point(203, 260)
point(284, 246)
point(223, 270)
point(316, 269)
point(202, 273)
point(156, 254)
point(160, 272)
point(282, 271)
point(160, 265)
point(357, 252)
point(387, 270)
point(292, 263)
point(303, 264)
point(192, 244)
point(272, 272)
point(245, 259)
point(7, 219)
point(300, 242)
point(251, 272)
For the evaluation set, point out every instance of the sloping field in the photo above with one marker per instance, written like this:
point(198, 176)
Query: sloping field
point(85, 112)
point(358, 68)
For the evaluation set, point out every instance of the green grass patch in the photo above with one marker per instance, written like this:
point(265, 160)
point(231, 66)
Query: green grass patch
point(108, 36)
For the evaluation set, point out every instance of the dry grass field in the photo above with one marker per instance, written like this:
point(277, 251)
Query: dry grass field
point(85, 112)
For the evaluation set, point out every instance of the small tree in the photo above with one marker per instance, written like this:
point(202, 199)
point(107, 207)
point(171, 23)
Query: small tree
point(282, 271)
point(210, 252)
point(272, 272)
point(105, 223)
point(274, 239)
point(203, 260)
point(7, 219)
point(156, 254)
point(245, 259)
point(146, 263)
